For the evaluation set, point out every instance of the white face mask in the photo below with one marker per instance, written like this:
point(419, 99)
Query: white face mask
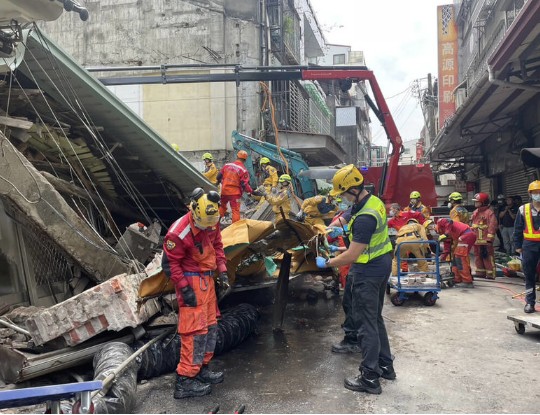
point(535, 197)
point(449, 205)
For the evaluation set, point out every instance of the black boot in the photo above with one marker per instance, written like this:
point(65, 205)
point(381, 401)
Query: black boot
point(187, 387)
point(387, 371)
point(365, 382)
point(529, 308)
point(346, 346)
point(207, 376)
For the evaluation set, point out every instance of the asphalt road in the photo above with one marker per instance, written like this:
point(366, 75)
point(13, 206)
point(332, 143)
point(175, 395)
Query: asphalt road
point(460, 356)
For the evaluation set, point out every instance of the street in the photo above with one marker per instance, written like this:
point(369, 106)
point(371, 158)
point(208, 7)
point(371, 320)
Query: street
point(460, 356)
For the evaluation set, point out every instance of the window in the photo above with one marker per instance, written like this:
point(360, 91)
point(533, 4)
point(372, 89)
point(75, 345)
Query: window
point(339, 59)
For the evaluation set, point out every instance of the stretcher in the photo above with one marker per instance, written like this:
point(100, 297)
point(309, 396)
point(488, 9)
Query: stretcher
point(407, 283)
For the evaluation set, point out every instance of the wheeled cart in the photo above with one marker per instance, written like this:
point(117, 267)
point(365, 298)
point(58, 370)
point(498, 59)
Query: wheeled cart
point(407, 283)
point(522, 321)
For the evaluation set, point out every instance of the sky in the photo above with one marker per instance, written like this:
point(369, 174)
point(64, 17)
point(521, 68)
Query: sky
point(399, 41)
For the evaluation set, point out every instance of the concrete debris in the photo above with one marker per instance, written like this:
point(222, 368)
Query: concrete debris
point(108, 306)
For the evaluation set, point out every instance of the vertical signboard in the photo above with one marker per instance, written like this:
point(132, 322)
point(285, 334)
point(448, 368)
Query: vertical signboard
point(448, 60)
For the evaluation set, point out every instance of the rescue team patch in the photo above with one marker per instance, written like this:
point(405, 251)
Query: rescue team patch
point(170, 245)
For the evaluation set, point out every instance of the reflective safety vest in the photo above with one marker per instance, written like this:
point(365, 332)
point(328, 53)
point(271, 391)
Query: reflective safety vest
point(379, 243)
point(529, 233)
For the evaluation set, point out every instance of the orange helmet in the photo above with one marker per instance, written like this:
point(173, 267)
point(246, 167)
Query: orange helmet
point(242, 154)
point(482, 198)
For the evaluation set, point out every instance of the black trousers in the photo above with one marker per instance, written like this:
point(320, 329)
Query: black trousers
point(367, 291)
point(530, 257)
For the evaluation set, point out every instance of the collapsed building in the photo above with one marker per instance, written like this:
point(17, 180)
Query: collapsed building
point(87, 190)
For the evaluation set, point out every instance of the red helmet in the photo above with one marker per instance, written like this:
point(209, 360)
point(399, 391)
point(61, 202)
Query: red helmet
point(482, 198)
point(242, 154)
point(443, 224)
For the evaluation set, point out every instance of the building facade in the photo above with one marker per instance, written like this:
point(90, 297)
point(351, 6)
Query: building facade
point(208, 38)
point(496, 97)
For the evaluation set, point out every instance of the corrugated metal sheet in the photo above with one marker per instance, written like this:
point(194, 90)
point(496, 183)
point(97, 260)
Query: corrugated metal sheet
point(60, 77)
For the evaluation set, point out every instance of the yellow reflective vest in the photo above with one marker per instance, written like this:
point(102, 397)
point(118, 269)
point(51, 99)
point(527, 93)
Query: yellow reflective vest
point(380, 242)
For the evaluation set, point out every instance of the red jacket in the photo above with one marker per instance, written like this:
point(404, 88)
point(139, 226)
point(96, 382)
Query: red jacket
point(484, 225)
point(453, 233)
point(187, 248)
point(402, 218)
point(234, 179)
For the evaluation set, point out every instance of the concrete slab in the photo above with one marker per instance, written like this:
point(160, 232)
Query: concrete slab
point(460, 356)
point(108, 306)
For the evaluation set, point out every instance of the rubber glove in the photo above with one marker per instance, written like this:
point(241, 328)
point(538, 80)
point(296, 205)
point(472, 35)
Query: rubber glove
point(334, 232)
point(333, 248)
point(321, 262)
point(188, 295)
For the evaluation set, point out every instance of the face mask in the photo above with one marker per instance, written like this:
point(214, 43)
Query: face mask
point(392, 213)
point(536, 197)
point(449, 205)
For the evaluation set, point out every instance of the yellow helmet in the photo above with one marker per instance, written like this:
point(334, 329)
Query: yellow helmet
point(415, 195)
point(455, 196)
point(264, 160)
point(534, 185)
point(175, 147)
point(345, 178)
point(208, 156)
point(427, 223)
point(205, 208)
point(285, 178)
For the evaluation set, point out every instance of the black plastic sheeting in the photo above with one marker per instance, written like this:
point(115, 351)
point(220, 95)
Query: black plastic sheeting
point(121, 397)
point(235, 325)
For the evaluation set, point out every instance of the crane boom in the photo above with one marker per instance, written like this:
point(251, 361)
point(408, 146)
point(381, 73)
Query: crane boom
point(389, 177)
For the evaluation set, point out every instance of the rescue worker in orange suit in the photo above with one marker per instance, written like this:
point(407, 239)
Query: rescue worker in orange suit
point(234, 179)
point(527, 242)
point(210, 169)
point(411, 232)
point(416, 205)
point(458, 213)
point(464, 236)
point(280, 197)
point(484, 225)
point(317, 208)
point(192, 252)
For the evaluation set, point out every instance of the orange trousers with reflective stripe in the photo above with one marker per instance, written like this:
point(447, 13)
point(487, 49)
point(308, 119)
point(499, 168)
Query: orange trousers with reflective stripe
point(197, 327)
point(484, 263)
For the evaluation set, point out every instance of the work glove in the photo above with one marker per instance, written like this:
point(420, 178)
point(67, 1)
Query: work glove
point(333, 248)
point(188, 295)
point(300, 216)
point(335, 232)
point(321, 262)
point(257, 192)
point(223, 281)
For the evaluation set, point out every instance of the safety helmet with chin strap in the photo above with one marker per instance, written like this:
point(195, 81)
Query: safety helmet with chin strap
point(204, 208)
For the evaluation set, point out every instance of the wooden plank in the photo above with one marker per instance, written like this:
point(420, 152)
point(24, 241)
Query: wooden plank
point(23, 124)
